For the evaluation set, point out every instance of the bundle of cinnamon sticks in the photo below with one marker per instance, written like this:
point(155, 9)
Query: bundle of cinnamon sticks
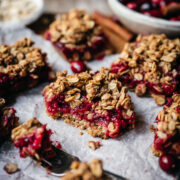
point(116, 34)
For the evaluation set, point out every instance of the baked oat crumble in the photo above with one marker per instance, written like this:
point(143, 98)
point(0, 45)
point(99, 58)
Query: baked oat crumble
point(86, 171)
point(94, 145)
point(33, 139)
point(22, 65)
point(150, 65)
point(78, 36)
point(94, 101)
point(167, 131)
point(11, 168)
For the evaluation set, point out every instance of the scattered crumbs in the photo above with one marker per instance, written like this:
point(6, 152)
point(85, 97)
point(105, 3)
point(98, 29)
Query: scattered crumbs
point(81, 133)
point(11, 168)
point(151, 128)
point(94, 145)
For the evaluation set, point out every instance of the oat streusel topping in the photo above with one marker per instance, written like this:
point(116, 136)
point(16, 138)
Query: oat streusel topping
point(154, 59)
point(25, 129)
point(86, 171)
point(74, 27)
point(168, 125)
point(169, 119)
point(102, 85)
point(21, 58)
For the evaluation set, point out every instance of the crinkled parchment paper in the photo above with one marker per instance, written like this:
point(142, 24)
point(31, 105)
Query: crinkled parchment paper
point(129, 155)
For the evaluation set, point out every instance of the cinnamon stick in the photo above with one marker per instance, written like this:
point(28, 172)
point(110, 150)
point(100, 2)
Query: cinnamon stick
point(110, 24)
point(171, 8)
point(115, 40)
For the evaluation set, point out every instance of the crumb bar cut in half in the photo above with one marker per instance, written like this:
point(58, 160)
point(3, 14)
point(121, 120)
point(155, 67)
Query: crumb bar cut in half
point(150, 65)
point(86, 171)
point(22, 66)
point(95, 101)
point(167, 131)
point(33, 139)
point(8, 120)
point(78, 37)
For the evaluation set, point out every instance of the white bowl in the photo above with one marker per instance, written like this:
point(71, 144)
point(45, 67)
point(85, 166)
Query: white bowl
point(139, 23)
point(12, 25)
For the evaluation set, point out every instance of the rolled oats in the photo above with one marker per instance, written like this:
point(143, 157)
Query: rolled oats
point(150, 65)
point(167, 131)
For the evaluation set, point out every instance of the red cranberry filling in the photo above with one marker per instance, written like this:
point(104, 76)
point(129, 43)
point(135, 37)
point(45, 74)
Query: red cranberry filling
point(10, 84)
point(7, 123)
point(57, 104)
point(131, 82)
point(97, 46)
point(38, 142)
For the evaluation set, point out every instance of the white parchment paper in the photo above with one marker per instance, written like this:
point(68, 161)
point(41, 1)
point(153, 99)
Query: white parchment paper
point(128, 156)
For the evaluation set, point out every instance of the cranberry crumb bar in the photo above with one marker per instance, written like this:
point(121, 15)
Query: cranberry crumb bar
point(22, 66)
point(78, 37)
point(95, 101)
point(86, 171)
point(167, 132)
point(150, 65)
point(33, 139)
point(8, 120)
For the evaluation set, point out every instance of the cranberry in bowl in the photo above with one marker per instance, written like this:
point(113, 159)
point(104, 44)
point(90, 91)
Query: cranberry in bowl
point(145, 16)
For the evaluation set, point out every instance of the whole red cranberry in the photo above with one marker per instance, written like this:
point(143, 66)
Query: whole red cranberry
point(132, 5)
point(167, 163)
point(78, 66)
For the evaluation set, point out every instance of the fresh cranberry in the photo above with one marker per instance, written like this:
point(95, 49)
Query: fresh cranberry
point(132, 5)
point(168, 89)
point(153, 13)
point(78, 66)
point(167, 163)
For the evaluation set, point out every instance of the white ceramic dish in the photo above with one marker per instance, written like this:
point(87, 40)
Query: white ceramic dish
point(139, 23)
point(11, 25)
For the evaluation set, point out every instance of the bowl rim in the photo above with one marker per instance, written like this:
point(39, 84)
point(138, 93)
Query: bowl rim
point(11, 25)
point(140, 17)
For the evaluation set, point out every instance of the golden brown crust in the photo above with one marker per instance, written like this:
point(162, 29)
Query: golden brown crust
point(73, 27)
point(23, 130)
point(21, 58)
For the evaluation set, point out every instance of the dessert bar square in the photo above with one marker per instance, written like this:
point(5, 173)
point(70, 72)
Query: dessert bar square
point(78, 37)
point(22, 66)
point(8, 120)
point(33, 139)
point(167, 130)
point(95, 101)
point(150, 65)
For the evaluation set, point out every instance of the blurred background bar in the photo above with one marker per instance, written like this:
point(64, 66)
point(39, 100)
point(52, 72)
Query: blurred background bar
point(60, 6)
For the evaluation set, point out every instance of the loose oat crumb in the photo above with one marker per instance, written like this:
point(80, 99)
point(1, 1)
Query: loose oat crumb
point(81, 133)
point(94, 145)
point(11, 168)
